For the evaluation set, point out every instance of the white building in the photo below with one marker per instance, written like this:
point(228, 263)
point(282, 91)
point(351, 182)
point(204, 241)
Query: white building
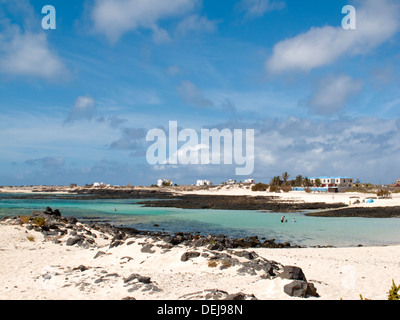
point(249, 181)
point(230, 181)
point(334, 182)
point(164, 183)
point(100, 184)
point(203, 183)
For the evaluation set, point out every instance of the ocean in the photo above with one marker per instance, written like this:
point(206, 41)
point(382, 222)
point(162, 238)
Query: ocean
point(306, 231)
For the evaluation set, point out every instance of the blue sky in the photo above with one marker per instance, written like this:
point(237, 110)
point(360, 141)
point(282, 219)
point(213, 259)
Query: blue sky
point(76, 102)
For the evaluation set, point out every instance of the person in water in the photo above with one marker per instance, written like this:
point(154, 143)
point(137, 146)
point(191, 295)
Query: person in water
point(294, 220)
point(283, 219)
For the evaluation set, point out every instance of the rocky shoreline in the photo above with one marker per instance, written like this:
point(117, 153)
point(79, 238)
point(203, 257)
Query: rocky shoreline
point(159, 198)
point(154, 197)
point(360, 212)
point(219, 202)
point(52, 224)
point(215, 251)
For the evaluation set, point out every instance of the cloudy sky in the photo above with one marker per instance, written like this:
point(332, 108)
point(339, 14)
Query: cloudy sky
point(77, 102)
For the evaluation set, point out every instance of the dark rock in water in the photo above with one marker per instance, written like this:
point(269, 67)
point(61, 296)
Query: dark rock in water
point(50, 211)
point(300, 289)
point(188, 255)
point(57, 213)
point(292, 273)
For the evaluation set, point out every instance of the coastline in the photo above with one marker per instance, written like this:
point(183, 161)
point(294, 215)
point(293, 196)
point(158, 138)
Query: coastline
point(89, 261)
point(231, 198)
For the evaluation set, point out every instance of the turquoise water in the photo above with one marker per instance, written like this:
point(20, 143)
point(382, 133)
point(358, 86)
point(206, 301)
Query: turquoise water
point(307, 231)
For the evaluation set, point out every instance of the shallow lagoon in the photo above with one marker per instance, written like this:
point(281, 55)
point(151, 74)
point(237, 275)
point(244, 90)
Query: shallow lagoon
point(307, 231)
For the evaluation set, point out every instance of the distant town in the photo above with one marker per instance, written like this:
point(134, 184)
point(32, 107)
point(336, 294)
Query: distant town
point(282, 183)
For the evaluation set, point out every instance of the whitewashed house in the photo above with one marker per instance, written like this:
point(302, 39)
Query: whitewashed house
point(100, 185)
point(230, 182)
point(334, 182)
point(164, 183)
point(249, 181)
point(200, 183)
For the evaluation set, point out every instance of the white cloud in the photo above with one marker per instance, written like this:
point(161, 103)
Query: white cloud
point(173, 70)
point(160, 35)
point(47, 162)
point(29, 55)
point(24, 50)
point(113, 18)
point(192, 95)
point(324, 147)
point(333, 93)
point(257, 8)
point(195, 23)
point(377, 22)
point(84, 109)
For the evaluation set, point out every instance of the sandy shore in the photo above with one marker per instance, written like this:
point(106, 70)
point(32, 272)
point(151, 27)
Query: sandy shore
point(37, 267)
point(347, 198)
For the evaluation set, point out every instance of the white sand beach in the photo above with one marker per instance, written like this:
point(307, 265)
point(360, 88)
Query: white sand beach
point(33, 267)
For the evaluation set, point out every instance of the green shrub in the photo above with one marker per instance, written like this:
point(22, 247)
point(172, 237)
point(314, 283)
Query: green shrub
point(286, 188)
point(392, 295)
point(259, 187)
point(24, 219)
point(274, 188)
point(394, 292)
point(383, 193)
point(39, 221)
